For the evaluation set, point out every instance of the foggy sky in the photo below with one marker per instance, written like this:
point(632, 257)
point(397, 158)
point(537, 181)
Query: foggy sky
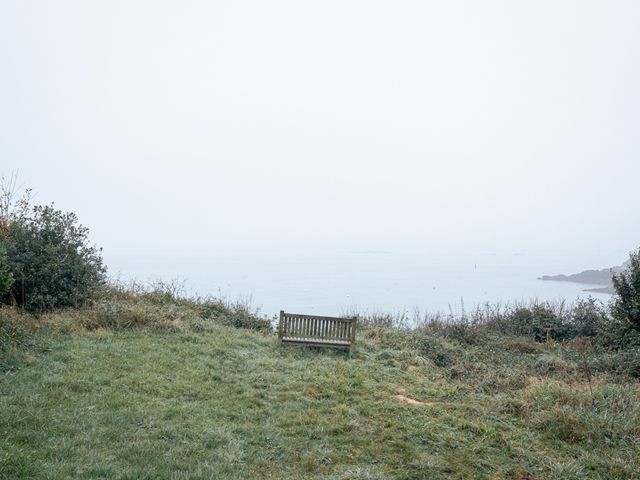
point(175, 127)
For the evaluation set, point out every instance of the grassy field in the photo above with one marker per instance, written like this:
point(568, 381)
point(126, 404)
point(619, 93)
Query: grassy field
point(228, 403)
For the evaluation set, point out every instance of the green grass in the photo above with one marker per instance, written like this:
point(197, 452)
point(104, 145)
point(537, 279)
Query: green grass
point(229, 403)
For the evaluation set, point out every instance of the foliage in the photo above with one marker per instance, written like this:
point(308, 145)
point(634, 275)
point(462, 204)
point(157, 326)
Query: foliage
point(583, 318)
point(626, 306)
point(12, 205)
point(588, 318)
point(6, 277)
point(52, 262)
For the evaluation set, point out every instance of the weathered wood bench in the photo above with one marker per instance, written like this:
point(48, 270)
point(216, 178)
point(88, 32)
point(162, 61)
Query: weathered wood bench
point(317, 331)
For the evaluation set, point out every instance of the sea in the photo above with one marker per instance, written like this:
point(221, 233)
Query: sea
point(378, 281)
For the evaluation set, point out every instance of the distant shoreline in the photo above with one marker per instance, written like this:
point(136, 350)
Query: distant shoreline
point(601, 277)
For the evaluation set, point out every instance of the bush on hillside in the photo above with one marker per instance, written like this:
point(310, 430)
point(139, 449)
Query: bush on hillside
point(6, 277)
point(52, 262)
point(588, 318)
point(585, 318)
point(530, 321)
point(626, 305)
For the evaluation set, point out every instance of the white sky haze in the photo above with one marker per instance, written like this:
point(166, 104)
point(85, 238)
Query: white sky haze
point(219, 126)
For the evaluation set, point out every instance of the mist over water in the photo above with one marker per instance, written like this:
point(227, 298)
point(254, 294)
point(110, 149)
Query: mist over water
point(505, 132)
point(336, 283)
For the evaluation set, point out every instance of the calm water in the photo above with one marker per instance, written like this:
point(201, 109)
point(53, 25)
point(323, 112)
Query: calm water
point(335, 283)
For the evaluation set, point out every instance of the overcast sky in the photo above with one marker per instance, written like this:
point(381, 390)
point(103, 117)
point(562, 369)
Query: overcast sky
point(227, 126)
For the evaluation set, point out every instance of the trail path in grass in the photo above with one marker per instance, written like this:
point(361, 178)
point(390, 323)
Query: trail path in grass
point(230, 404)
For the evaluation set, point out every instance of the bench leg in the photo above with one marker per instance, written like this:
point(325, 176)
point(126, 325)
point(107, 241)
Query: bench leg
point(280, 327)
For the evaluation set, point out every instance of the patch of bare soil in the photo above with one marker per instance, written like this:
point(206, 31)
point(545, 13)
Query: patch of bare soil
point(401, 397)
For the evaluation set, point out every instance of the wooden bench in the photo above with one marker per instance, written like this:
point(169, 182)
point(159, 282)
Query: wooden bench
point(317, 331)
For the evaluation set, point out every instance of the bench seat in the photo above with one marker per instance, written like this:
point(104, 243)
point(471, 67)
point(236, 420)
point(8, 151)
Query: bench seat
point(317, 342)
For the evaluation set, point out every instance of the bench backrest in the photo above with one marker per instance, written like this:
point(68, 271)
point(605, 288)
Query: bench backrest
point(333, 331)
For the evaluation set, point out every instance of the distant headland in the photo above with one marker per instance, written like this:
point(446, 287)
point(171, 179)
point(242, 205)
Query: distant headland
point(591, 277)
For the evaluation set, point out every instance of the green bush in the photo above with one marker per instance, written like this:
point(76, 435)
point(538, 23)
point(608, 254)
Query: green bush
point(589, 318)
point(6, 277)
point(530, 321)
point(626, 305)
point(586, 318)
point(52, 262)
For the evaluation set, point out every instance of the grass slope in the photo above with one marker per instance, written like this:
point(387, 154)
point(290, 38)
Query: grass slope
point(227, 403)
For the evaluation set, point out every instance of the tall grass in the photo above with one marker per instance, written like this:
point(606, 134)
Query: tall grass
point(561, 319)
point(164, 305)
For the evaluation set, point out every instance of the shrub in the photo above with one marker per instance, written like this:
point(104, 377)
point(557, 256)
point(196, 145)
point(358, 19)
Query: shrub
point(588, 318)
point(6, 277)
point(53, 264)
point(530, 321)
point(626, 305)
